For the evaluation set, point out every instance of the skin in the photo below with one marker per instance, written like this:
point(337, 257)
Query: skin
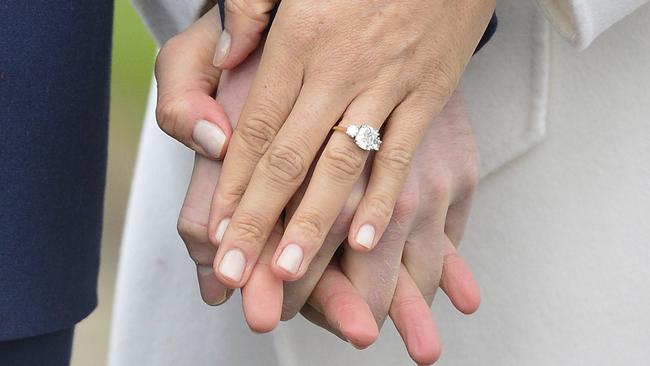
point(347, 300)
point(377, 62)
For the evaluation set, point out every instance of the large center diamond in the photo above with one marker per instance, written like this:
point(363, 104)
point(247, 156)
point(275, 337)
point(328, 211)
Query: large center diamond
point(364, 136)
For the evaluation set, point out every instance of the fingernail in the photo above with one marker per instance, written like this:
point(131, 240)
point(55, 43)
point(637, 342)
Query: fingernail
point(205, 271)
point(366, 236)
point(232, 265)
point(221, 229)
point(290, 259)
point(209, 137)
point(221, 299)
point(222, 49)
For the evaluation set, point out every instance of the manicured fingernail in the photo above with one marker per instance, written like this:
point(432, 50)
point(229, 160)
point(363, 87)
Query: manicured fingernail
point(366, 236)
point(290, 259)
point(223, 47)
point(221, 229)
point(209, 137)
point(232, 265)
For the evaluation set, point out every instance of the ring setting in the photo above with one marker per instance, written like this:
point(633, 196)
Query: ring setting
point(365, 136)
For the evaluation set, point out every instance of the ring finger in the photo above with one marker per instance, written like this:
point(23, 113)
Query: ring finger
point(335, 175)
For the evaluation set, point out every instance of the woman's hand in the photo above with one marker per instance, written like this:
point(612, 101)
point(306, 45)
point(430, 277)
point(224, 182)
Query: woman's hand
point(371, 62)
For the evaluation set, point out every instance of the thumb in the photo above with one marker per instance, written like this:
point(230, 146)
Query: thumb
point(187, 82)
point(245, 22)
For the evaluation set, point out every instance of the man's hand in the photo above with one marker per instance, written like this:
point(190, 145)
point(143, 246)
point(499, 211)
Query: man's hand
point(426, 226)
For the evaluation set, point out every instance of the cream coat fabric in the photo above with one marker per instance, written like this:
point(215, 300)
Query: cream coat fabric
point(581, 21)
point(558, 239)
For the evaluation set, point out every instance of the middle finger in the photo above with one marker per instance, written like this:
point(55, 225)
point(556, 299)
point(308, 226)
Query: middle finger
point(275, 178)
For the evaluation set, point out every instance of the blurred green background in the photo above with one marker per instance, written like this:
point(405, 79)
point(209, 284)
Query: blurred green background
point(133, 58)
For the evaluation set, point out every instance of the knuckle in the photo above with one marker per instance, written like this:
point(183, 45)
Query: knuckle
point(250, 227)
point(310, 223)
point(230, 194)
point(407, 303)
point(396, 159)
point(344, 162)
point(436, 189)
point(169, 112)
point(344, 300)
point(257, 131)
point(190, 231)
point(380, 205)
point(195, 237)
point(470, 179)
point(442, 82)
point(167, 52)
point(406, 206)
point(253, 10)
point(472, 170)
point(285, 164)
point(343, 221)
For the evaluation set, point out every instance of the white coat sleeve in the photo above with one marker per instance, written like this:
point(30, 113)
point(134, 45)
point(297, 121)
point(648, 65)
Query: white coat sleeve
point(166, 18)
point(581, 21)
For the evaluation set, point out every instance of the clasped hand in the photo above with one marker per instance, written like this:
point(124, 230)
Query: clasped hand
point(288, 184)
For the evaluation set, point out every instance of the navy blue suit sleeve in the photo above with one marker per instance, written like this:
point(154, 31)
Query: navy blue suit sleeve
point(54, 94)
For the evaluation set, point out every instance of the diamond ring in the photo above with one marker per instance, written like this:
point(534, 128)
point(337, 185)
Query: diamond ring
point(365, 136)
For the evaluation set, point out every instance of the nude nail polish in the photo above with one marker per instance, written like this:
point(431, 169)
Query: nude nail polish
point(221, 229)
point(366, 236)
point(223, 47)
point(232, 265)
point(209, 137)
point(290, 259)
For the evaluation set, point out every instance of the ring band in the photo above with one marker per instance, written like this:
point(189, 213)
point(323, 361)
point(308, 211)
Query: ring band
point(365, 136)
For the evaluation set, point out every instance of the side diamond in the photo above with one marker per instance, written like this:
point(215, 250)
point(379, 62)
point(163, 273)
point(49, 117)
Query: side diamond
point(352, 131)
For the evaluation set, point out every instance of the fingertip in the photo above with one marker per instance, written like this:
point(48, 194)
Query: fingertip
point(290, 262)
point(223, 49)
point(364, 237)
point(471, 301)
point(262, 300)
point(212, 292)
point(426, 355)
point(230, 269)
point(423, 343)
point(361, 336)
point(213, 128)
point(210, 138)
point(356, 323)
point(458, 283)
point(261, 324)
point(197, 120)
point(285, 275)
point(233, 48)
